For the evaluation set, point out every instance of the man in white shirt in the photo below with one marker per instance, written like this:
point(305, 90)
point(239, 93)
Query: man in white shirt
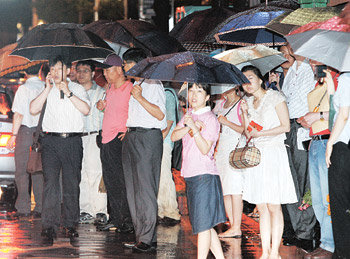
point(62, 148)
point(93, 204)
point(24, 126)
point(299, 81)
point(142, 154)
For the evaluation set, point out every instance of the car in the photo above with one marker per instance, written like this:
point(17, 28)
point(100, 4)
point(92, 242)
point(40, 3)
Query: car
point(7, 157)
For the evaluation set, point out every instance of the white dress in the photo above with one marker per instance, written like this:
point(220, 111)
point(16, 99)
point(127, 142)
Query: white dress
point(231, 178)
point(271, 181)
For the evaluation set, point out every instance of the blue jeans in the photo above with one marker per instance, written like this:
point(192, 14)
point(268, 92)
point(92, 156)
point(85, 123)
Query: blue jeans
point(319, 191)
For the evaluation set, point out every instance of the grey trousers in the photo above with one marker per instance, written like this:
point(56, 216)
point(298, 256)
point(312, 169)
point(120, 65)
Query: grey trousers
point(142, 156)
point(23, 203)
point(303, 221)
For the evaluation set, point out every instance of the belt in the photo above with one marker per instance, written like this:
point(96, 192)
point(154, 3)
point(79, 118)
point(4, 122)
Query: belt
point(89, 133)
point(320, 137)
point(63, 135)
point(139, 129)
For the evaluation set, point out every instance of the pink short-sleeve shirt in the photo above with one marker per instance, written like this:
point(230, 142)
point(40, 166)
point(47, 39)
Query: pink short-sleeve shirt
point(193, 161)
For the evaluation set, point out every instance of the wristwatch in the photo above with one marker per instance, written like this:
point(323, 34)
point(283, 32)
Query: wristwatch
point(321, 116)
point(70, 95)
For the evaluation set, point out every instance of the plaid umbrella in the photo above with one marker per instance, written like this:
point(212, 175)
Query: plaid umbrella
point(136, 33)
point(281, 28)
point(248, 28)
point(326, 42)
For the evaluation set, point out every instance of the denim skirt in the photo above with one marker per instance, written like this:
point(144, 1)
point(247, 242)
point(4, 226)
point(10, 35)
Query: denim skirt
point(205, 202)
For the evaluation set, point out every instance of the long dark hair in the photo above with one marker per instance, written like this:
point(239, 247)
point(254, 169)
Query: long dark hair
point(206, 88)
point(256, 71)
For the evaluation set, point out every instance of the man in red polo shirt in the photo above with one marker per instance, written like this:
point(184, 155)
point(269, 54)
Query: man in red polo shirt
point(115, 106)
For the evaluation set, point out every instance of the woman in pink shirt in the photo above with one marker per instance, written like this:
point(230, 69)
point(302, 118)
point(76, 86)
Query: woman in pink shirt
point(199, 130)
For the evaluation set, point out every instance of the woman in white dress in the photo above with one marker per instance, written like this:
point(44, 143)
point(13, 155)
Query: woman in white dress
point(269, 184)
point(228, 110)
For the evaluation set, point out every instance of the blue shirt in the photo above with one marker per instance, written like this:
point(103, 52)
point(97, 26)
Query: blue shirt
point(171, 108)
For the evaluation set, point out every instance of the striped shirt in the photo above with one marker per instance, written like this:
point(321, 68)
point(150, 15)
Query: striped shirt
point(296, 86)
point(93, 121)
point(60, 114)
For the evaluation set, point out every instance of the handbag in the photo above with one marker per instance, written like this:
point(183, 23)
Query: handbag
point(244, 157)
point(34, 165)
point(176, 154)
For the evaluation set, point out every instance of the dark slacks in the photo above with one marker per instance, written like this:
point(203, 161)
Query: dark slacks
point(142, 157)
point(113, 177)
point(339, 194)
point(61, 154)
point(303, 221)
point(23, 202)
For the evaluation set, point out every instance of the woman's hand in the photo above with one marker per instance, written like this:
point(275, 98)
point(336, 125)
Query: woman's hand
point(223, 120)
point(189, 122)
point(254, 133)
point(244, 107)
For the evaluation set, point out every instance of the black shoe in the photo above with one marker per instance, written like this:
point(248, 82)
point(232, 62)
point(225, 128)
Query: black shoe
point(48, 235)
point(125, 229)
point(290, 241)
point(169, 222)
point(20, 215)
point(36, 214)
point(305, 244)
point(100, 219)
point(71, 232)
point(106, 227)
point(141, 247)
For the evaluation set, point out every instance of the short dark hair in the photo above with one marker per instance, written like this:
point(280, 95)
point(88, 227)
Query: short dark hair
point(134, 54)
point(205, 87)
point(89, 63)
point(54, 60)
point(33, 70)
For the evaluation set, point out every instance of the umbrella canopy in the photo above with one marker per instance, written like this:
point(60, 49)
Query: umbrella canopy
point(326, 42)
point(248, 28)
point(288, 4)
point(68, 40)
point(303, 16)
point(11, 64)
point(135, 33)
point(275, 25)
point(198, 25)
point(188, 67)
point(260, 56)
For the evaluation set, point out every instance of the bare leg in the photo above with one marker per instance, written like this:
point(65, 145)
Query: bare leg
point(265, 229)
point(203, 244)
point(234, 209)
point(276, 228)
point(215, 245)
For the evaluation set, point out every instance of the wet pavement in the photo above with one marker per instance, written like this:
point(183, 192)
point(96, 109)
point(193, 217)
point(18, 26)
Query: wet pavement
point(20, 238)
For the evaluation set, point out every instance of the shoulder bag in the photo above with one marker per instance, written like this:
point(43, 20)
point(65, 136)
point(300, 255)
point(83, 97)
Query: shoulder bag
point(34, 164)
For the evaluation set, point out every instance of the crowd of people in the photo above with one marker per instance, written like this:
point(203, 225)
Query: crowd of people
point(120, 137)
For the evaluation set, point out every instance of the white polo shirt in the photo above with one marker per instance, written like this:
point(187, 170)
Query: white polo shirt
point(24, 95)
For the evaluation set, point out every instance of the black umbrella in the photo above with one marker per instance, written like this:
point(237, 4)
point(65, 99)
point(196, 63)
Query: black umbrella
point(68, 40)
point(136, 33)
point(188, 67)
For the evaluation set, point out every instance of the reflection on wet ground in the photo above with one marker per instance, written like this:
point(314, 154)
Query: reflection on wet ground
point(20, 238)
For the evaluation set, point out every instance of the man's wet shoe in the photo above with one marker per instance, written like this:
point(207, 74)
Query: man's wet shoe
point(100, 219)
point(290, 241)
point(305, 244)
point(125, 229)
point(36, 214)
point(319, 253)
point(106, 227)
point(48, 235)
point(86, 218)
point(71, 232)
point(142, 247)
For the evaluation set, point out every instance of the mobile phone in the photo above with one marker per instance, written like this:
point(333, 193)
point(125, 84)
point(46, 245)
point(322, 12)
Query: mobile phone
point(320, 71)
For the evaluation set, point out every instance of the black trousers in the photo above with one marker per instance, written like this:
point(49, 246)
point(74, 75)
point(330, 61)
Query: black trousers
point(61, 154)
point(303, 221)
point(339, 194)
point(113, 177)
point(142, 157)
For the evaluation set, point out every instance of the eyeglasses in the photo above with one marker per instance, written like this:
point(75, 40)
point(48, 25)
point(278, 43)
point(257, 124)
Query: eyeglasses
point(83, 71)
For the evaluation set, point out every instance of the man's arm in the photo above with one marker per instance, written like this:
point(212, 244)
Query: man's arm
point(16, 124)
point(78, 103)
point(151, 108)
point(37, 104)
point(165, 131)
